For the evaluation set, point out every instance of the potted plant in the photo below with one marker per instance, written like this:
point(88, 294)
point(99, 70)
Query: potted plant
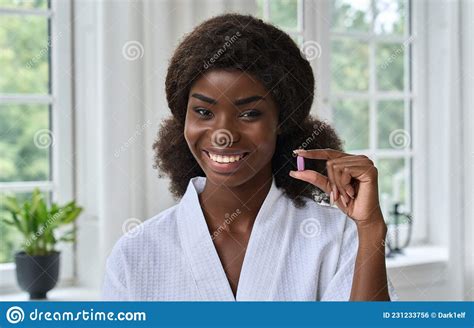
point(37, 264)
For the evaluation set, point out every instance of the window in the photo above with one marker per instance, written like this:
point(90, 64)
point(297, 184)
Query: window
point(370, 89)
point(286, 14)
point(364, 82)
point(35, 110)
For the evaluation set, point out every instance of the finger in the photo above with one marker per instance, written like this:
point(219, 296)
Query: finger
point(332, 179)
point(346, 180)
point(341, 163)
point(352, 159)
point(343, 175)
point(320, 153)
point(313, 177)
point(337, 171)
point(361, 172)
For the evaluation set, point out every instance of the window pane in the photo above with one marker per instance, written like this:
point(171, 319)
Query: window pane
point(349, 73)
point(24, 55)
point(392, 133)
point(393, 182)
point(351, 120)
point(24, 142)
point(390, 17)
point(284, 13)
point(298, 39)
point(25, 4)
point(260, 5)
point(10, 238)
point(351, 16)
point(390, 70)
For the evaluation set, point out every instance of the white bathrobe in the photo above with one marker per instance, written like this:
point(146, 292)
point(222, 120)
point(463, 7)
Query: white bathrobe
point(293, 254)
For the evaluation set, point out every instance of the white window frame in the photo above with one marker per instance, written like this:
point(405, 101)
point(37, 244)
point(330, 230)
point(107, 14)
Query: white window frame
point(317, 28)
point(299, 31)
point(314, 25)
point(61, 185)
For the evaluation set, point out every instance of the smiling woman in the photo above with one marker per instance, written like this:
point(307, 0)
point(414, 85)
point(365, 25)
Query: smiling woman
point(264, 62)
point(246, 227)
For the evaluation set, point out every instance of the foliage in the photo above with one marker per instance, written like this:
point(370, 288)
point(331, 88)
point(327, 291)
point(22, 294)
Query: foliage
point(38, 223)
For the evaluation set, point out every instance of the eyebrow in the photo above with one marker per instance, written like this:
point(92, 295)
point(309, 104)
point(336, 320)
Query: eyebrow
point(238, 102)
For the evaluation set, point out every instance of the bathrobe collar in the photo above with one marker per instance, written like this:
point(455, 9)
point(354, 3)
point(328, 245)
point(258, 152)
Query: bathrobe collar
point(199, 249)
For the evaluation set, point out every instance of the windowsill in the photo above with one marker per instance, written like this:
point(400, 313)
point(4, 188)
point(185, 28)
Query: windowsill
point(419, 268)
point(418, 255)
point(57, 294)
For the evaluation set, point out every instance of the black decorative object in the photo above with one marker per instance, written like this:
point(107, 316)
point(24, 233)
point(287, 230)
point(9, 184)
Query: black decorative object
point(395, 246)
point(37, 274)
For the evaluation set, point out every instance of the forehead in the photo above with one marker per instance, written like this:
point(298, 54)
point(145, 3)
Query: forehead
point(233, 84)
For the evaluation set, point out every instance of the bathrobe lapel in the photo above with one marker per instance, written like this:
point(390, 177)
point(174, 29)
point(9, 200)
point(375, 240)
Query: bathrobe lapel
point(199, 249)
point(263, 250)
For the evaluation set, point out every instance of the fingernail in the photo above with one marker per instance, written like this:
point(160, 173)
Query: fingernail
point(350, 192)
point(296, 151)
point(331, 198)
point(343, 199)
point(292, 173)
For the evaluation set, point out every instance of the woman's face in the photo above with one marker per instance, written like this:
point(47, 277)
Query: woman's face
point(231, 126)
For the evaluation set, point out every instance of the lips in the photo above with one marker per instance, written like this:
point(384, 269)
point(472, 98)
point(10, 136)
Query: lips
point(226, 157)
point(225, 161)
point(225, 151)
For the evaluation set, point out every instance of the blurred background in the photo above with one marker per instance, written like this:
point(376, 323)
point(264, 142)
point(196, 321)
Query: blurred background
point(82, 97)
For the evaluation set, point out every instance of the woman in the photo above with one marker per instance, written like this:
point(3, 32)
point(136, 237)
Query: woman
point(247, 226)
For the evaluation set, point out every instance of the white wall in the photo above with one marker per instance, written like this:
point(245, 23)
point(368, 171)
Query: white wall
point(467, 103)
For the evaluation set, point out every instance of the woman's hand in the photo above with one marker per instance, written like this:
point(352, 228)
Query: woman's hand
point(351, 182)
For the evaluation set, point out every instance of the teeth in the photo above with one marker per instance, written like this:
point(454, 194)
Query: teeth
point(225, 159)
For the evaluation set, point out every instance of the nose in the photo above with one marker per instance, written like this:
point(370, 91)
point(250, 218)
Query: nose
point(225, 133)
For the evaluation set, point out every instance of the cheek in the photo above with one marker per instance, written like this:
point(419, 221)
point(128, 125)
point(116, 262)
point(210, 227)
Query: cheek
point(267, 145)
point(190, 134)
point(193, 134)
point(264, 139)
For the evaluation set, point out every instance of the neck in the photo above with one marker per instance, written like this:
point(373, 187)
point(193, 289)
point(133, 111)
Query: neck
point(234, 208)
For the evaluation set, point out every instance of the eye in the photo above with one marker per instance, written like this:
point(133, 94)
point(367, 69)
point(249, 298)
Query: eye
point(251, 113)
point(204, 113)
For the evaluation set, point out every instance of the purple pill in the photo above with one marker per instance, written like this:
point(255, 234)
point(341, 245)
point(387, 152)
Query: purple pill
point(300, 163)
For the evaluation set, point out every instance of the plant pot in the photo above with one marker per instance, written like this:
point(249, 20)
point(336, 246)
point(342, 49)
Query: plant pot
point(37, 274)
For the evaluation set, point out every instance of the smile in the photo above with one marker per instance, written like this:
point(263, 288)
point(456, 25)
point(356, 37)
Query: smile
point(223, 159)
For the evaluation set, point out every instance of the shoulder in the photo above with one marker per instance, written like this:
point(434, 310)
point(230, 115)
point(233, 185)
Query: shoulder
point(143, 238)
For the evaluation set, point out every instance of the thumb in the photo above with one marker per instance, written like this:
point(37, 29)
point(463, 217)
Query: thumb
point(313, 177)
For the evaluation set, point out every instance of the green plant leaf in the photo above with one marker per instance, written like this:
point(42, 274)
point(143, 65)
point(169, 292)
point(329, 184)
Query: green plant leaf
point(42, 212)
point(50, 239)
point(21, 227)
point(11, 204)
point(54, 209)
point(11, 223)
point(67, 239)
point(36, 198)
point(71, 216)
point(38, 222)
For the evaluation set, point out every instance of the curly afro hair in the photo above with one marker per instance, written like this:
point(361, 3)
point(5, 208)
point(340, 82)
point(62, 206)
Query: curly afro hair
point(246, 43)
